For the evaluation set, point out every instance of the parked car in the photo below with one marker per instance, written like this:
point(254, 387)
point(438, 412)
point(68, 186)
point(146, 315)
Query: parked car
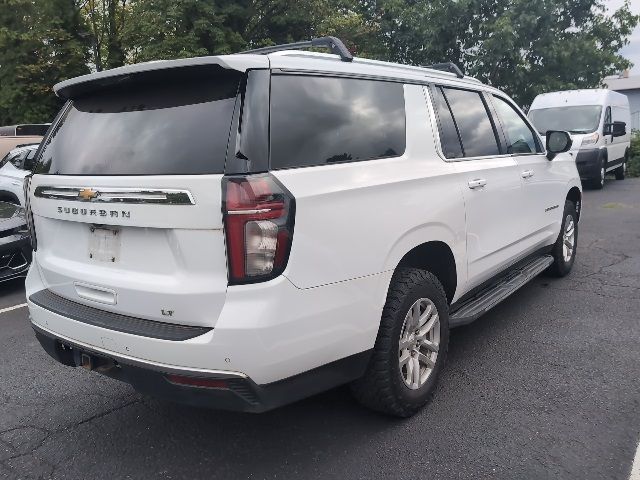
point(597, 120)
point(19, 135)
point(16, 165)
point(243, 231)
point(15, 250)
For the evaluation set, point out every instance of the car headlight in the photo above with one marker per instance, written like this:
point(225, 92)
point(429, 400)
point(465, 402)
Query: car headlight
point(590, 139)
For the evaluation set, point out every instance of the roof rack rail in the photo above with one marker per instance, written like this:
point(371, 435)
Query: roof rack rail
point(447, 67)
point(332, 43)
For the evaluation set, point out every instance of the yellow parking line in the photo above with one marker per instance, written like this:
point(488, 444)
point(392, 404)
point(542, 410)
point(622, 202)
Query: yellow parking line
point(15, 307)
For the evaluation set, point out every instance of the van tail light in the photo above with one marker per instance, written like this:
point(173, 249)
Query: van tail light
point(258, 215)
point(28, 214)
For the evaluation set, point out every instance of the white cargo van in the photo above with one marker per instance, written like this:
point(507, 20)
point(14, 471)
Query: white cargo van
point(598, 122)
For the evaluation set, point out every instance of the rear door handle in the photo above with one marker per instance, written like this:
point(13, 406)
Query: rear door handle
point(477, 183)
point(527, 174)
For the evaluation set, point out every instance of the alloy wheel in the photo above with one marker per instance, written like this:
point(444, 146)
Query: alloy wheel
point(419, 343)
point(569, 239)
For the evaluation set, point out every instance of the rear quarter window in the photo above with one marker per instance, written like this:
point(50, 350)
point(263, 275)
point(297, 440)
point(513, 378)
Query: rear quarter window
point(324, 120)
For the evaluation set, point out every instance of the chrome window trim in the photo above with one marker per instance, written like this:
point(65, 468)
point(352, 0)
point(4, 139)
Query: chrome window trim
point(117, 195)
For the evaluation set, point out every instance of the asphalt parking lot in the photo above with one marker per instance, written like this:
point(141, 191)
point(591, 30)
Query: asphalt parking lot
point(544, 386)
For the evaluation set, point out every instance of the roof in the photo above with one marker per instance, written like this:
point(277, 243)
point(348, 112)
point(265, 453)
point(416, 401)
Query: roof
point(625, 83)
point(286, 60)
point(594, 96)
point(328, 63)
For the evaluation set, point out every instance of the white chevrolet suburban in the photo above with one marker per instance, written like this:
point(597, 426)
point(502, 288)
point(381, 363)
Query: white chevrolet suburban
point(243, 231)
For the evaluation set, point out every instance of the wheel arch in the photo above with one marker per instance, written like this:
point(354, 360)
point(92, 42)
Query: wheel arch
point(436, 257)
point(6, 196)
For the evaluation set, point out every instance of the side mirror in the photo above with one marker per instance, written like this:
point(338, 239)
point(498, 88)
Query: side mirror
point(615, 129)
point(557, 142)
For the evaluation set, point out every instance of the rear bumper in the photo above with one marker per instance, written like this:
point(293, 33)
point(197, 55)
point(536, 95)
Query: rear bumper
point(234, 390)
point(589, 163)
point(277, 341)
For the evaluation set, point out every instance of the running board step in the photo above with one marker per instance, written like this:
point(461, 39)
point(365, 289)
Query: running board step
point(491, 296)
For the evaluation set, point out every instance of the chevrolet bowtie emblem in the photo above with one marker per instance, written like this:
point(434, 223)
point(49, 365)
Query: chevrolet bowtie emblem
point(87, 194)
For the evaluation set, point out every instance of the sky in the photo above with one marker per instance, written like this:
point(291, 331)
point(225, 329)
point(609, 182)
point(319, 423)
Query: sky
point(632, 50)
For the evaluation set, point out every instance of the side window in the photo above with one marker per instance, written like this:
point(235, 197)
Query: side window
point(474, 125)
point(619, 114)
point(607, 115)
point(29, 161)
point(322, 120)
point(7, 158)
point(520, 138)
point(18, 160)
point(449, 139)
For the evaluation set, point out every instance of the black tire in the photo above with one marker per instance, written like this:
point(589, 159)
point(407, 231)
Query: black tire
point(561, 267)
point(597, 183)
point(621, 170)
point(382, 388)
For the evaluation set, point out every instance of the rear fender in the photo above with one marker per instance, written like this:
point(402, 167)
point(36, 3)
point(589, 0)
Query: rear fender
point(432, 232)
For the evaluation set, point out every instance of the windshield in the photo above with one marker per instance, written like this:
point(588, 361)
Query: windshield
point(573, 119)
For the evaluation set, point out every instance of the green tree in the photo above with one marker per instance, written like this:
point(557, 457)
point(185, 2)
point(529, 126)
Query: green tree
point(41, 44)
point(184, 28)
point(105, 22)
point(161, 29)
point(527, 48)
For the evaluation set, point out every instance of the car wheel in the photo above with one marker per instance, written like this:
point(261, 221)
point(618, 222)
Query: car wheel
point(411, 346)
point(621, 171)
point(564, 250)
point(598, 183)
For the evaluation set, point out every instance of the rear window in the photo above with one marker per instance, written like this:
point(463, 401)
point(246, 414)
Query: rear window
point(323, 120)
point(176, 126)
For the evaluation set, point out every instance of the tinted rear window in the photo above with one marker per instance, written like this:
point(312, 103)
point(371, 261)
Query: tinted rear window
point(322, 120)
point(471, 117)
point(179, 126)
point(449, 139)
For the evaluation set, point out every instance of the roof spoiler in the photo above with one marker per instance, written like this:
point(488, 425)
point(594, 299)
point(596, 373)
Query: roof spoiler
point(96, 81)
point(447, 67)
point(334, 44)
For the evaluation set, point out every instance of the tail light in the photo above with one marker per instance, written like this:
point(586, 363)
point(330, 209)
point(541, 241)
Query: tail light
point(258, 218)
point(28, 214)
